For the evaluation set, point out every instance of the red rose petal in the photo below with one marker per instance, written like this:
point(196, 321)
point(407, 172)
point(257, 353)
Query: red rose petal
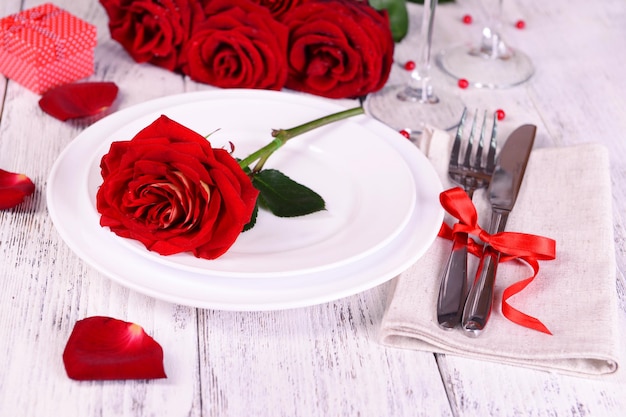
point(104, 348)
point(71, 101)
point(13, 189)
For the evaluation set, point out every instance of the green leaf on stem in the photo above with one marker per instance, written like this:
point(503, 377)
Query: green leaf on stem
point(284, 197)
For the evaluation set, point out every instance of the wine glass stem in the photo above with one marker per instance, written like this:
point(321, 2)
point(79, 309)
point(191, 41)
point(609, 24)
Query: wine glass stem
point(492, 46)
point(419, 87)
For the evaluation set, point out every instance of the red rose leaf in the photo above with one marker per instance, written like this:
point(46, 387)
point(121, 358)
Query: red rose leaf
point(75, 100)
point(104, 348)
point(13, 188)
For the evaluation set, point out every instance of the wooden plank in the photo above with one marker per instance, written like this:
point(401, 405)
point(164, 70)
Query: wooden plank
point(317, 361)
point(46, 288)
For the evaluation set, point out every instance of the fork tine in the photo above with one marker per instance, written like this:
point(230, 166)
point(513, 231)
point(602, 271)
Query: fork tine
point(456, 146)
point(478, 159)
point(470, 143)
point(491, 155)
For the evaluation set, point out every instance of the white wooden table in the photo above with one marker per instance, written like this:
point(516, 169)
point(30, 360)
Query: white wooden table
point(317, 361)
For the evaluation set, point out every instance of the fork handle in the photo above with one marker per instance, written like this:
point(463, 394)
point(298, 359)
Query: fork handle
point(479, 301)
point(453, 287)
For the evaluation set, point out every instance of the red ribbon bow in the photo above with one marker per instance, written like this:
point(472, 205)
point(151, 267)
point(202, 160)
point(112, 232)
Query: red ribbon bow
point(529, 248)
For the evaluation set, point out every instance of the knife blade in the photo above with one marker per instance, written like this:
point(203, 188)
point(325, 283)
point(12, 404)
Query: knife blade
point(503, 190)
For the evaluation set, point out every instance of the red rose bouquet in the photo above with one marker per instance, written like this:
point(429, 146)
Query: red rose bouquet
point(338, 48)
point(331, 48)
point(152, 30)
point(238, 44)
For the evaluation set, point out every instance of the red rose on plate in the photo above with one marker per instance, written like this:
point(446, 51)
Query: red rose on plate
point(152, 31)
point(170, 190)
point(238, 45)
point(338, 48)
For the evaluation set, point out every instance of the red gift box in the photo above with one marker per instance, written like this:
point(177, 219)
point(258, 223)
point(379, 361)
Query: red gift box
point(46, 46)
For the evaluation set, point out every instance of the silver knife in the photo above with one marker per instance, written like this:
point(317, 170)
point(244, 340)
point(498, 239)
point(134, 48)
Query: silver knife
point(503, 190)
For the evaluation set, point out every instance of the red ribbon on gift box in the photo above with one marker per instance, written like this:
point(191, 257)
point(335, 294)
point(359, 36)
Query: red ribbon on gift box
point(513, 246)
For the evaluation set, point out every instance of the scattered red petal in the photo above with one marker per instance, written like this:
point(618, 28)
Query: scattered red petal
point(463, 83)
point(71, 101)
point(409, 65)
point(500, 114)
point(520, 24)
point(467, 19)
point(14, 188)
point(104, 348)
point(405, 133)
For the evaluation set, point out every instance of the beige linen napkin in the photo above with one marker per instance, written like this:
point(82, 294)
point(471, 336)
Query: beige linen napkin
point(566, 196)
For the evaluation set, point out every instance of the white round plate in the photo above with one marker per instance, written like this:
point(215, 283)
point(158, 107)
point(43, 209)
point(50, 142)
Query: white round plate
point(381, 195)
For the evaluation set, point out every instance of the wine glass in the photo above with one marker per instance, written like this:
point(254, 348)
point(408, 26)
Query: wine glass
point(491, 63)
point(413, 105)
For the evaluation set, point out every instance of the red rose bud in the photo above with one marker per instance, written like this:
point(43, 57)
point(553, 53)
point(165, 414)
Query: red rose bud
point(103, 348)
point(71, 101)
point(338, 49)
point(168, 189)
point(237, 45)
point(14, 188)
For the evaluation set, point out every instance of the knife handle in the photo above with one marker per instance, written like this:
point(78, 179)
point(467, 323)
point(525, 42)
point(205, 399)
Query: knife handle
point(479, 300)
point(453, 287)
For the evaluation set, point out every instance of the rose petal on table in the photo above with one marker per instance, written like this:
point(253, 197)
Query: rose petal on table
point(14, 188)
point(104, 348)
point(71, 101)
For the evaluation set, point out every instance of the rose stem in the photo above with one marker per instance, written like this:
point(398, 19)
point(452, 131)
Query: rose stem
point(281, 136)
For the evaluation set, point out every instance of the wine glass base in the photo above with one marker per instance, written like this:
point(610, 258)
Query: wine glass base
point(482, 71)
point(441, 111)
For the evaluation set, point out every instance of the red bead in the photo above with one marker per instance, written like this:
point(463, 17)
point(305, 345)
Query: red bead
point(409, 65)
point(405, 133)
point(520, 24)
point(467, 19)
point(500, 114)
point(463, 83)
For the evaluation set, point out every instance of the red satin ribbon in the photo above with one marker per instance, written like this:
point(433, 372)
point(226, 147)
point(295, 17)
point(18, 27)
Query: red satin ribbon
point(528, 248)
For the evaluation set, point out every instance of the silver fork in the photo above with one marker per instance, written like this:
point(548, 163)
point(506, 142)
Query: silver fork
point(471, 174)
